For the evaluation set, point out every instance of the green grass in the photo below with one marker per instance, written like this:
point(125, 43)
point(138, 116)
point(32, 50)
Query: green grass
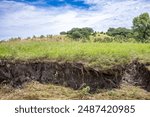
point(96, 54)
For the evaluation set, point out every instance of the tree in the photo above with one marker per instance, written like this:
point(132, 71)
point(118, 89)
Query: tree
point(63, 33)
point(141, 27)
point(120, 32)
point(42, 36)
point(80, 33)
point(76, 35)
point(34, 37)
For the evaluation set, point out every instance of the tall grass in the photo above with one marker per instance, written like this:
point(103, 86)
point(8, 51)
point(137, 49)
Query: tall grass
point(96, 54)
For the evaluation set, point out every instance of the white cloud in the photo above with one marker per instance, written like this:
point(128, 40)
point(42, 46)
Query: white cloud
point(20, 19)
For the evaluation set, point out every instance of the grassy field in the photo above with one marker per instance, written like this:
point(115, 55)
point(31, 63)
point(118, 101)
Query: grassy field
point(35, 90)
point(95, 54)
point(102, 55)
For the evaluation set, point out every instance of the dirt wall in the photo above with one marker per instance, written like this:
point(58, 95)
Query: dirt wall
point(74, 75)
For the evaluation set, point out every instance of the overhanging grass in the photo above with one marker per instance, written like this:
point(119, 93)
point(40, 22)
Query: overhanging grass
point(97, 54)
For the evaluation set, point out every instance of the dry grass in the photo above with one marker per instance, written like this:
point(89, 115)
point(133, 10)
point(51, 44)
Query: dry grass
point(37, 91)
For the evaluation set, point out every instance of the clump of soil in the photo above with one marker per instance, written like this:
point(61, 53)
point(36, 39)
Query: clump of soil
point(74, 75)
point(137, 74)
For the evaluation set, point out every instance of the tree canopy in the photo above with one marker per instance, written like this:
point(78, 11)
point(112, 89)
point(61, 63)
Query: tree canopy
point(141, 27)
point(121, 31)
point(80, 33)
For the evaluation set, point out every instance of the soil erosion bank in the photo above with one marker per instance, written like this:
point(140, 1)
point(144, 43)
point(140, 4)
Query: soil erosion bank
point(74, 75)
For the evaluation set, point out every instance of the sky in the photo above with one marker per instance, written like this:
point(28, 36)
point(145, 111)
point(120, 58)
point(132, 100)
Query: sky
point(24, 18)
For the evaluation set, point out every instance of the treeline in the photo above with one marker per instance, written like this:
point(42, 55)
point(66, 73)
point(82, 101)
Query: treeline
point(140, 31)
point(41, 37)
point(29, 38)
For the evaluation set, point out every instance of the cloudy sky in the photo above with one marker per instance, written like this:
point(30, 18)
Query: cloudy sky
point(25, 18)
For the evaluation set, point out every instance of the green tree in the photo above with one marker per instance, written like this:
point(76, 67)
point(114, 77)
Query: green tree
point(141, 27)
point(42, 36)
point(80, 33)
point(63, 33)
point(120, 32)
point(76, 35)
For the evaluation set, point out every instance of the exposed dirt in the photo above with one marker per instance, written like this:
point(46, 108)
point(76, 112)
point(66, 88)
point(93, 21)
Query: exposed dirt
point(137, 74)
point(74, 75)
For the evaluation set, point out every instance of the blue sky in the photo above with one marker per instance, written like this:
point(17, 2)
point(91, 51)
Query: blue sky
point(56, 3)
point(25, 18)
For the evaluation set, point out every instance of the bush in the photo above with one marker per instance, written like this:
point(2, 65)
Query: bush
point(63, 33)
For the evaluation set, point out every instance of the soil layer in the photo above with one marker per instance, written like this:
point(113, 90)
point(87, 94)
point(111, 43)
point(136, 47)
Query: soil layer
point(74, 75)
